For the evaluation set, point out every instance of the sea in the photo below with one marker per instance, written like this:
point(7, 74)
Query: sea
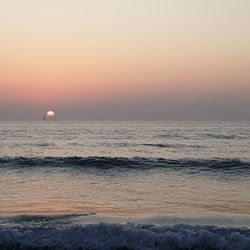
point(124, 185)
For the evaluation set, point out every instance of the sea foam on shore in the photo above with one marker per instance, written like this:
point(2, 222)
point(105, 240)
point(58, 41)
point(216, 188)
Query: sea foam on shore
point(105, 236)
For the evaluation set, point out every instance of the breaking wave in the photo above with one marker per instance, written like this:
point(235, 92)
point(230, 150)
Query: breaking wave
point(125, 236)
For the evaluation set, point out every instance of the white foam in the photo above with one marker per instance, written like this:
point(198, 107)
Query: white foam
point(128, 236)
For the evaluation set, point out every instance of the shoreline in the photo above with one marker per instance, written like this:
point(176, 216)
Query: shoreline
point(236, 221)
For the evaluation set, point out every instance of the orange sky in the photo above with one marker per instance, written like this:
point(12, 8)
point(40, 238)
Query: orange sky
point(69, 52)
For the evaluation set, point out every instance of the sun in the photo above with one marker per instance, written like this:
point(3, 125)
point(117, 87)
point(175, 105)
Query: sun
point(50, 113)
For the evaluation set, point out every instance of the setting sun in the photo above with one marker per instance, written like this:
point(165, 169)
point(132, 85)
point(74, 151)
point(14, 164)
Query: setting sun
point(50, 114)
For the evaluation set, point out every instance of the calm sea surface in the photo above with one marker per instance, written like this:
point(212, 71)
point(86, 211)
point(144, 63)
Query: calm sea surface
point(145, 172)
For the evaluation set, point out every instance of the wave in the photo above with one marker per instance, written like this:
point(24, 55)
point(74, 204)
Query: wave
point(128, 236)
point(161, 145)
point(172, 136)
point(216, 164)
point(38, 219)
point(222, 136)
point(203, 136)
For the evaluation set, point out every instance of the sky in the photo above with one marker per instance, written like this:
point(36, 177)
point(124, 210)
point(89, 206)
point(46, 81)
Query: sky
point(125, 59)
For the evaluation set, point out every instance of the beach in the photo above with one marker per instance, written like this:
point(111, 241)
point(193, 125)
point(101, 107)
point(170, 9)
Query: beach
point(124, 185)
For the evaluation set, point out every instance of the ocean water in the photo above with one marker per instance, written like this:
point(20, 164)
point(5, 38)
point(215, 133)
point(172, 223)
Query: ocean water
point(124, 185)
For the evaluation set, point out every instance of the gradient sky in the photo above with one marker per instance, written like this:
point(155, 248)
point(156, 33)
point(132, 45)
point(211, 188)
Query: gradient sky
point(125, 59)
